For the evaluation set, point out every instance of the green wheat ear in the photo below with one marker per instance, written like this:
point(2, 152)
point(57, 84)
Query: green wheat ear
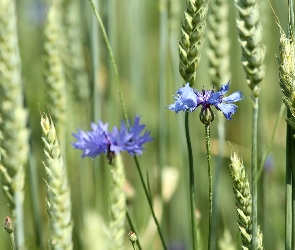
point(218, 52)
point(72, 50)
point(14, 135)
point(287, 74)
point(53, 70)
point(118, 204)
point(243, 199)
point(250, 37)
point(58, 192)
point(192, 38)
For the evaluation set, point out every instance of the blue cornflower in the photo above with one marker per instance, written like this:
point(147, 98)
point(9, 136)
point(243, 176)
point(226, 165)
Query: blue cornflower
point(188, 99)
point(101, 141)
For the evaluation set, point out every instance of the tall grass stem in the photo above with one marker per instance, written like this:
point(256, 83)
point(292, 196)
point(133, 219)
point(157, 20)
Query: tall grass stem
point(207, 134)
point(163, 44)
point(191, 183)
point(132, 227)
point(126, 118)
point(149, 199)
point(288, 189)
point(221, 140)
point(254, 170)
point(105, 37)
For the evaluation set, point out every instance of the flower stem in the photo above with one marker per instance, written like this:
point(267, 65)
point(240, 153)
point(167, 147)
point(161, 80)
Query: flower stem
point(254, 171)
point(112, 58)
point(125, 115)
point(221, 139)
point(191, 183)
point(207, 131)
point(289, 146)
point(162, 87)
point(13, 246)
point(150, 203)
point(288, 188)
point(133, 229)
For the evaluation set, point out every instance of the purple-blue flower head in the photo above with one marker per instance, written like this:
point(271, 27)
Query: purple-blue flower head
point(100, 141)
point(188, 99)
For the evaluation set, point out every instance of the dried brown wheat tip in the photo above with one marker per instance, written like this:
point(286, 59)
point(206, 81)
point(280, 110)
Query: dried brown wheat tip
point(8, 225)
point(132, 237)
point(192, 38)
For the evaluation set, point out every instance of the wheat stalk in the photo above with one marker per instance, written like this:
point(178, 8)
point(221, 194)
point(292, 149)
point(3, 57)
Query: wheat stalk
point(192, 38)
point(58, 191)
point(243, 199)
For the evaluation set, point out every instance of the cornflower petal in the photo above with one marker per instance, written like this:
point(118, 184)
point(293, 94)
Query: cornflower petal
point(234, 97)
point(134, 146)
point(227, 109)
point(91, 143)
point(117, 140)
point(215, 98)
point(99, 140)
point(224, 88)
point(188, 99)
point(185, 99)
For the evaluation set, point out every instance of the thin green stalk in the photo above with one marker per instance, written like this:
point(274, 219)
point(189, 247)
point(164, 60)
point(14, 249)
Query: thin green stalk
point(207, 131)
point(291, 133)
point(132, 229)
point(279, 118)
point(125, 116)
point(133, 239)
point(105, 37)
point(221, 140)
point(146, 192)
point(288, 199)
point(254, 171)
point(293, 186)
point(163, 44)
point(12, 241)
point(19, 211)
point(191, 183)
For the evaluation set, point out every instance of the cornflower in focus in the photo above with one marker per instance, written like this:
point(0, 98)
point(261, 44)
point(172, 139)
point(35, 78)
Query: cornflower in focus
point(188, 99)
point(101, 141)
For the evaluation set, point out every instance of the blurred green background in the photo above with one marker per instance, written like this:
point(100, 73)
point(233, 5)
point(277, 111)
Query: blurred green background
point(134, 30)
